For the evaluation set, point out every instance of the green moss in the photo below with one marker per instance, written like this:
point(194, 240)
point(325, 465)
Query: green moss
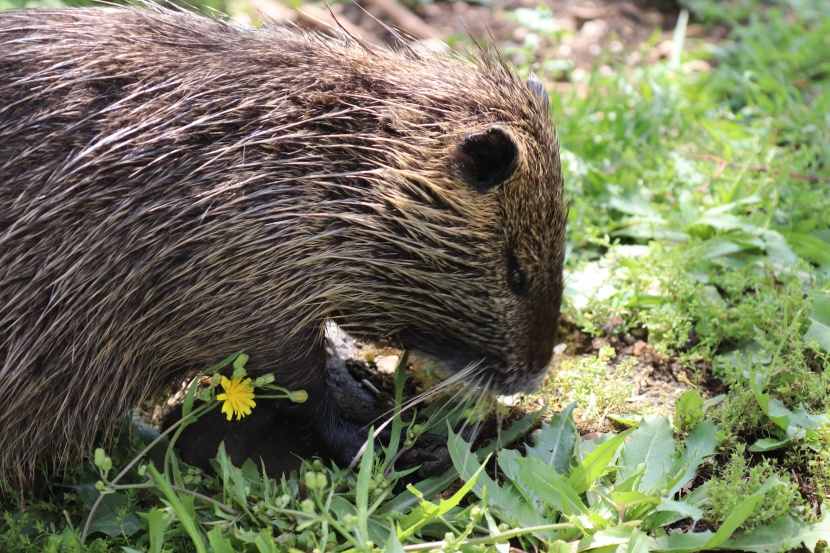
point(736, 481)
point(598, 385)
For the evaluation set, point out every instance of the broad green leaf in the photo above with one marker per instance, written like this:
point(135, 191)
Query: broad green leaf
point(621, 538)
point(670, 511)
point(507, 463)
point(393, 544)
point(769, 444)
point(560, 546)
point(652, 444)
point(651, 230)
point(685, 510)
point(810, 248)
point(555, 442)
point(820, 321)
point(108, 517)
point(513, 432)
point(624, 500)
point(719, 247)
point(504, 499)
point(778, 248)
point(597, 463)
point(724, 221)
point(265, 543)
point(798, 424)
point(634, 204)
point(218, 542)
point(725, 208)
point(157, 524)
point(537, 478)
point(437, 484)
point(686, 203)
point(700, 445)
point(638, 542)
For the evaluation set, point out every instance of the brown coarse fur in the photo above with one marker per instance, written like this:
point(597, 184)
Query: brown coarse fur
point(175, 188)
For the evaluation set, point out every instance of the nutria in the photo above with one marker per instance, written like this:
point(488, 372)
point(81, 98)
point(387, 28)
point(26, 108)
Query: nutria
point(175, 188)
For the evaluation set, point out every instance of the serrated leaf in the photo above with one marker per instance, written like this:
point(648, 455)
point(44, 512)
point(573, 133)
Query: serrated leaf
point(619, 538)
point(537, 478)
point(507, 463)
point(681, 508)
point(769, 444)
point(596, 464)
point(797, 423)
point(725, 221)
point(265, 543)
point(434, 485)
point(652, 444)
point(157, 524)
point(554, 444)
point(700, 445)
point(670, 511)
point(625, 500)
point(512, 433)
point(511, 506)
point(218, 542)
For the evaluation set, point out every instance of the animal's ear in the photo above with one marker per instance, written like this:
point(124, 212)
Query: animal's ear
point(486, 159)
point(538, 89)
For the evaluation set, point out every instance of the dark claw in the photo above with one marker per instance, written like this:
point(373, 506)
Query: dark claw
point(430, 451)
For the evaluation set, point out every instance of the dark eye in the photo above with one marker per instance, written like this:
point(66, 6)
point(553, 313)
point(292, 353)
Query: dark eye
point(515, 276)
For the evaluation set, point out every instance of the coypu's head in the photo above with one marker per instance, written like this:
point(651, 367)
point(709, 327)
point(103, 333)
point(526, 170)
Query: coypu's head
point(475, 275)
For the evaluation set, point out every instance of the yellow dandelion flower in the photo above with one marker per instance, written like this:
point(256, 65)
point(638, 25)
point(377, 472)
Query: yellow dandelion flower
point(238, 398)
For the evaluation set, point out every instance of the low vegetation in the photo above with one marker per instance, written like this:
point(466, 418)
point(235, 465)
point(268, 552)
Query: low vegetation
point(699, 256)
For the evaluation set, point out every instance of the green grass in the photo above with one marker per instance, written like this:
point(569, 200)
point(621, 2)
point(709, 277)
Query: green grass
point(703, 198)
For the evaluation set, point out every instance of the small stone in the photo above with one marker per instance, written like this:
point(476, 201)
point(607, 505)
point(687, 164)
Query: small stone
point(519, 35)
point(639, 348)
point(387, 364)
point(598, 343)
point(697, 66)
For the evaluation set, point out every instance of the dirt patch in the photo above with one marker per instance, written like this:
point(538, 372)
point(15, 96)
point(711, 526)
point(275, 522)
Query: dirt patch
point(580, 33)
point(555, 36)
